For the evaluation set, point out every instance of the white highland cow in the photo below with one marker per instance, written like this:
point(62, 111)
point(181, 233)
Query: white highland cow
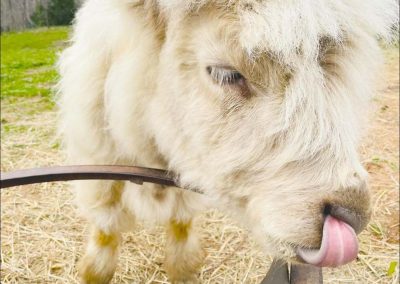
point(257, 103)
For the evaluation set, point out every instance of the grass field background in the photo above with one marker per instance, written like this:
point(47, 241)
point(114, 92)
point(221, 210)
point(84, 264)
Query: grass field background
point(42, 236)
point(27, 62)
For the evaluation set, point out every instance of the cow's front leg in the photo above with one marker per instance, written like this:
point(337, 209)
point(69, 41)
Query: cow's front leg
point(100, 203)
point(100, 260)
point(184, 254)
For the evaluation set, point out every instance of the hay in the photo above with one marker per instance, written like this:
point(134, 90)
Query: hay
point(43, 237)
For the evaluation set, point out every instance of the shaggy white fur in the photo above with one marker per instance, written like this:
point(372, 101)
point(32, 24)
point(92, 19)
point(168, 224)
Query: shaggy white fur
point(258, 103)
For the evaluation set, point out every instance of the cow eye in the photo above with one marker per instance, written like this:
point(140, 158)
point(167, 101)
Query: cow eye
point(225, 75)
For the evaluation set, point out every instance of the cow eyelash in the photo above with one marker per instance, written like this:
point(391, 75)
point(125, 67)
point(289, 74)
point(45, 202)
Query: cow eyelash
point(224, 76)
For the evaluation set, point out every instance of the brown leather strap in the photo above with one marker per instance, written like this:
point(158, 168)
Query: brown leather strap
point(65, 173)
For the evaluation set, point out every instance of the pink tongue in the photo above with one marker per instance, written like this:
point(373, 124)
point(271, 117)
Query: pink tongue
point(339, 245)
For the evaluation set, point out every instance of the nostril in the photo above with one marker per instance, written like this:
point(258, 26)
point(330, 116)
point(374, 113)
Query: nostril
point(327, 210)
point(354, 219)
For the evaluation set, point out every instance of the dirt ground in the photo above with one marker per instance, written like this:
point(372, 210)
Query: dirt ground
point(42, 236)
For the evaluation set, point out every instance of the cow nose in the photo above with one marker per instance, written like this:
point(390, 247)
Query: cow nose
point(356, 219)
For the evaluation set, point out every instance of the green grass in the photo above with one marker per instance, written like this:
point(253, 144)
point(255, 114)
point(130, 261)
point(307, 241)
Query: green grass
point(27, 62)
